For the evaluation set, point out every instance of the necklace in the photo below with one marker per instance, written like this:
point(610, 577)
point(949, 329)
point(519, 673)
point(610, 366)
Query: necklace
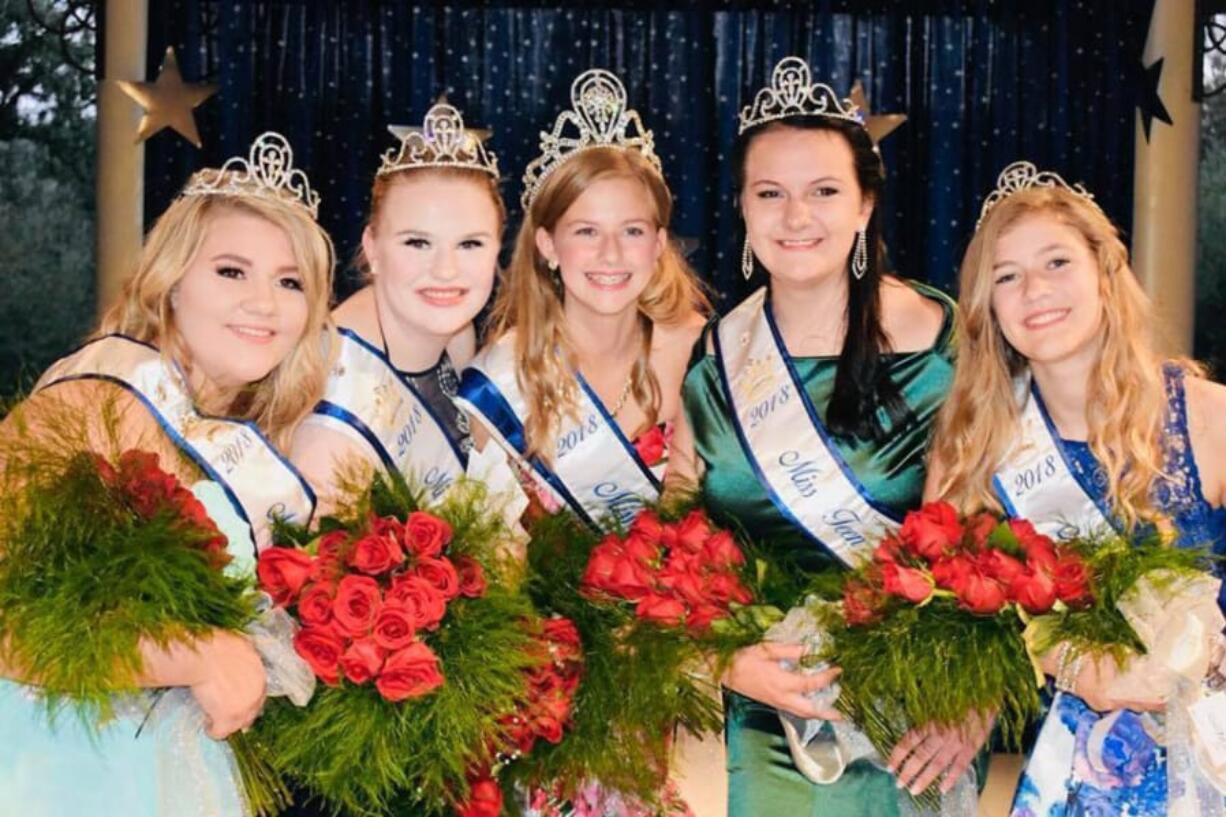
point(624, 396)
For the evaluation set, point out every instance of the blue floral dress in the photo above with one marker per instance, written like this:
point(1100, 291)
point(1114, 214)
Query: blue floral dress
point(1094, 764)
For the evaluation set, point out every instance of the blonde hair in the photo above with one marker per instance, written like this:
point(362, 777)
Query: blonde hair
point(530, 298)
point(144, 312)
point(1126, 400)
point(384, 183)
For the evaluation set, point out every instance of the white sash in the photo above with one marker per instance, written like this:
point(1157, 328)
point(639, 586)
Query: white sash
point(258, 481)
point(370, 402)
point(596, 471)
point(784, 439)
point(1036, 481)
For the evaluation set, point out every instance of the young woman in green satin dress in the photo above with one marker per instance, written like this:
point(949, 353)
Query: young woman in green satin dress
point(872, 354)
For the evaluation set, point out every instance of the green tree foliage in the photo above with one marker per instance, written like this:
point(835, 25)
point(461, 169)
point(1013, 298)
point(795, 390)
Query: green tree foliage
point(47, 154)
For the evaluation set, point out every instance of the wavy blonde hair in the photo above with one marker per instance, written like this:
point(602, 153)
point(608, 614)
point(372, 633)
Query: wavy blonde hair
point(1126, 400)
point(144, 312)
point(530, 298)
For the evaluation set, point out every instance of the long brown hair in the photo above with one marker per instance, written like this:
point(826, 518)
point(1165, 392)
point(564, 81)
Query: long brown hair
point(530, 298)
point(1126, 400)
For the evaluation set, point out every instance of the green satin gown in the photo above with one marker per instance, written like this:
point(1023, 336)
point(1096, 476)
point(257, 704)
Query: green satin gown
point(762, 777)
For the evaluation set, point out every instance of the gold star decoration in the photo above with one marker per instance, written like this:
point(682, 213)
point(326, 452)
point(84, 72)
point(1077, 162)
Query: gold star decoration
point(168, 101)
point(401, 131)
point(879, 126)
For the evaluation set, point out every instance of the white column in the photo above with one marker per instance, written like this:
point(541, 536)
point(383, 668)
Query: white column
point(121, 158)
point(1165, 195)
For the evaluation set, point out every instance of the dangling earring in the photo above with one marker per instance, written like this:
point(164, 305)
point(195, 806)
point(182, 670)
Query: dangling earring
point(747, 261)
point(552, 263)
point(859, 259)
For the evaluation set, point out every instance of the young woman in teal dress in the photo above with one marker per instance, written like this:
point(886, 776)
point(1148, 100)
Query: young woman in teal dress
point(211, 356)
point(430, 254)
point(592, 326)
point(1056, 367)
point(809, 408)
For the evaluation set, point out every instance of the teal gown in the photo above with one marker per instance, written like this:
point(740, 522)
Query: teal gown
point(762, 777)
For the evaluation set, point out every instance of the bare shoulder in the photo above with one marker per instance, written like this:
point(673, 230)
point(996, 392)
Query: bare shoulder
point(1206, 402)
point(911, 320)
point(357, 312)
point(679, 337)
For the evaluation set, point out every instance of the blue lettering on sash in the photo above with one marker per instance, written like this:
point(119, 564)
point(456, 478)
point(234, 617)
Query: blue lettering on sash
point(437, 480)
point(233, 452)
point(1027, 479)
point(766, 407)
point(846, 524)
point(803, 473)
point(404, 437)
point(623, 505)
point(568, 441)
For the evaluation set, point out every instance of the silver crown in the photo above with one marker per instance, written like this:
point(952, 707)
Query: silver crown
point(1021, 176)
point(793, 92)
point(599, 118)
point(268, 172)
point(442, 141)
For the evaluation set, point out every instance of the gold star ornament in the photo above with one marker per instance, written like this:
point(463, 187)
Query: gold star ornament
point(879, 126)
point(168, 101)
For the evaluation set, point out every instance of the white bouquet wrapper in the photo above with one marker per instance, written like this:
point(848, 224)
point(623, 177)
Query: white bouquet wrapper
point(822, 750)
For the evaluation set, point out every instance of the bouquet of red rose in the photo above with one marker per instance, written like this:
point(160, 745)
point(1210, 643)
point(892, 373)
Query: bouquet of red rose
point(99, 553)
point(425, 649)
point(647, 604)
point(928, 633)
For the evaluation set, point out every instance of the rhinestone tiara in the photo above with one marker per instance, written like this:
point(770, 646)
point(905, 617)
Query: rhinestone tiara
point(441, 141)
point(793, 92)
point(268, 172)
point(1021, 176)
point(598, 118)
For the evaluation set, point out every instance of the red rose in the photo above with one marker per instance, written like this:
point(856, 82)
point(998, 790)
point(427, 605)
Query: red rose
point(388, 526)
point(913, 585)
point(283, 572)
point(601, 563)
point(980, 527)
point(641, 549)
point(440, 573)
point(106, 471)
point(471, 577)
point(721, 551)
point(315, 605)
point(692, 531)
point(951, 572)
point(395, 625)
point(375, 554)
point(1040, 550)
point(1034, 590)
point(648, 525)
point(981, 594)
point(699, 619)
point(425, 534)
point(548, 727)
point(146, 487)
point(999, 565)
point(409, 673)
point(660, 609)
point(684, 584)
point(362, 660)
point(1072, 580)
point(726, 587)
point(564, 636)
point(356, 604)
point(328, 556)
point(651, 445)
point(484, 800)
point(862, 602)
point(932, 531)
point(888, 550)
point(423, 601)
point(321, 649)
point(630, 580)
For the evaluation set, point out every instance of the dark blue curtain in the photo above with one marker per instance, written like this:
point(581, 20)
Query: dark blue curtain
point(984, 83)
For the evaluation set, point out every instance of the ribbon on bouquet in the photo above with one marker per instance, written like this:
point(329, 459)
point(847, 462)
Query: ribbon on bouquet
point(822, 750)
point(1178, 620)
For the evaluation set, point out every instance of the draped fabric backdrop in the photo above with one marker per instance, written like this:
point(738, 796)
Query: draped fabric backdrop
point(984, 83)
